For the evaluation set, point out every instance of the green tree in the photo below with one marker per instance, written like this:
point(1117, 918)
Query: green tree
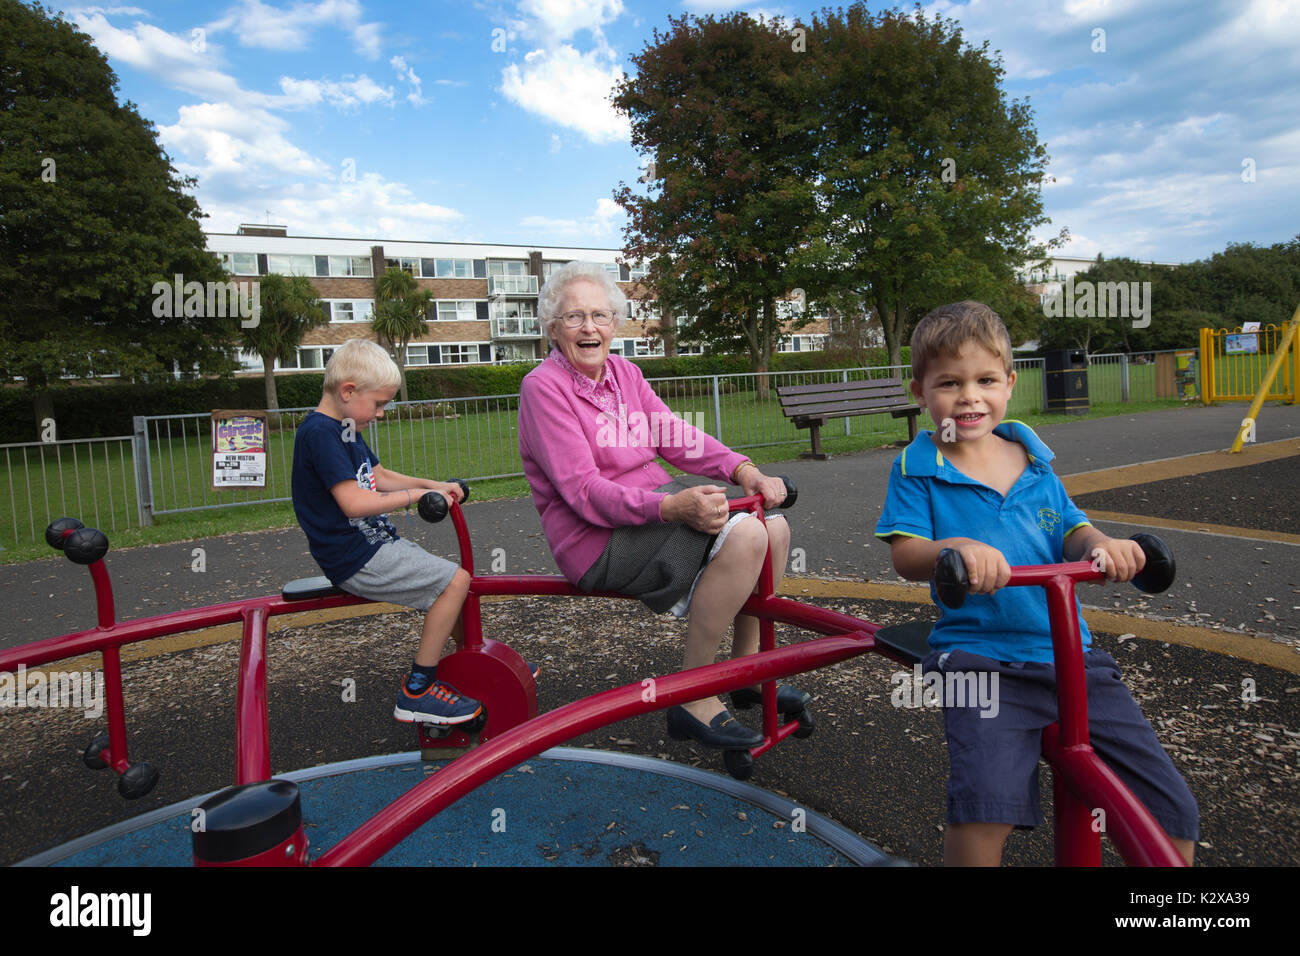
point(290, 310)
point(928, 179)
point(91, 215)
point(401, 310)
point(719, 107)
point(1255, 283)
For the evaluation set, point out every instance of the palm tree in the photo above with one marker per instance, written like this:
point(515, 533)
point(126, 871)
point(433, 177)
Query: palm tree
point(289, 311)
point(400, 314)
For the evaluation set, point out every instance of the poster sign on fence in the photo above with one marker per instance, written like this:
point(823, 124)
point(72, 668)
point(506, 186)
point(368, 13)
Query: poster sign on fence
point(1241, 343)
point(238, 449)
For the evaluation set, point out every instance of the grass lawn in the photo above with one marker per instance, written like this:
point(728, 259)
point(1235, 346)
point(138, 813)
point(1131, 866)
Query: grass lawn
point(99, 486)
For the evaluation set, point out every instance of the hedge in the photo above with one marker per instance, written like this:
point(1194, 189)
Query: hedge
point(102, 409)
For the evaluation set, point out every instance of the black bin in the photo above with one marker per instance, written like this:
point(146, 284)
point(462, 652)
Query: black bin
point(1067, 381)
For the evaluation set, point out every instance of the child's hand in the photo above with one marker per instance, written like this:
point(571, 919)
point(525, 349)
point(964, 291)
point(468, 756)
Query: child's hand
point(986, 567)
point(449, 490)
point(1118, 558)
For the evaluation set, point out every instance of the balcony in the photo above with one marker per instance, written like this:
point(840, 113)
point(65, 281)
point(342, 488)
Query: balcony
point(519, 327)
point(512, 285)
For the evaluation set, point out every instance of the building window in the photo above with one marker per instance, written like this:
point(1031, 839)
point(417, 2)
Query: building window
point(550, 268)
point(507, 267)
point(454, 268)
point(291, 265)
point(638, 271)
point(349, 310)
point(612, 269)
point(460, 354)
point(455, 310)
point(802, 343)
point(512, 309)
point(239, 263)
point(410, 266)
point(514, 352)
point(351, 266)
point(311, 357)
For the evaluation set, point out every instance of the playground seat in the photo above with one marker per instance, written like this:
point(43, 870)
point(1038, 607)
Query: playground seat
point(304, 589)
point(905, 643)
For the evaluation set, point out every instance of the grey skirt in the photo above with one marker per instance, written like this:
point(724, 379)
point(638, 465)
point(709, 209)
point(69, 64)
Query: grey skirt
point(657, 563)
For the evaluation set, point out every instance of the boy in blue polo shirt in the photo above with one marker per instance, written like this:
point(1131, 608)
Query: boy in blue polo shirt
point(342, 496)
point(986, 489)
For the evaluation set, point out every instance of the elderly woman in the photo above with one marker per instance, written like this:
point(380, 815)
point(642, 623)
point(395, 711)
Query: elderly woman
point(590, 429)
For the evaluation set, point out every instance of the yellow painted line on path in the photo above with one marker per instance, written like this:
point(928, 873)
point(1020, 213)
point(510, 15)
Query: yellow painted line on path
point(1107, 478)
point(1229, 531)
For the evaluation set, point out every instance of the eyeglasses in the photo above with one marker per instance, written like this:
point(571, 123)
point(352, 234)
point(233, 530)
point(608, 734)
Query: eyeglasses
point(574, 319)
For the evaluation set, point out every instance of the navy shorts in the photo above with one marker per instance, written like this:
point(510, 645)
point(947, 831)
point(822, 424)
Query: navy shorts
point(994, 758)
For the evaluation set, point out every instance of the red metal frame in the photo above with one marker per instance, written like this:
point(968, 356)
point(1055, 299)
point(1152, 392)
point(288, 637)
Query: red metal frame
point(1081, 780)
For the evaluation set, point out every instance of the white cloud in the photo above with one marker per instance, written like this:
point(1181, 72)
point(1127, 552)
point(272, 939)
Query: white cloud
point(259, 24)
point(603, 223)
point(181, 62)
point(77, 12)
point(346, 94)
point(371, 207)
point(407, 73)
point(219, 138)
point(569, 88)
point(561, 19)
point(366, 37)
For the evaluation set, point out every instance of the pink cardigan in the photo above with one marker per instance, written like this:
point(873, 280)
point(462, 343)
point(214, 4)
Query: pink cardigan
point(588, 474)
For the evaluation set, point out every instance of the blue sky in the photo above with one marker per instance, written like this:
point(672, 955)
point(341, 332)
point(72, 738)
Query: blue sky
point(487, 120)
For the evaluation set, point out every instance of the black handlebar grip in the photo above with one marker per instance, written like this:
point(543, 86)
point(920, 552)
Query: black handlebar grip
point(950, 580)
point(433, 506)
point(54, 531)
point(1158, 573)
point(85, 546)
point(464, 487)
point(791, 493)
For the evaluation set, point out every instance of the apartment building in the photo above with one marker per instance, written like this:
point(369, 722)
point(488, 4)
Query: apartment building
point(485, 295)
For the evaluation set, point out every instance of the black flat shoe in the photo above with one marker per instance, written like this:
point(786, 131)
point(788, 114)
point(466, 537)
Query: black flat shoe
point(723, 732)
point(790, 700)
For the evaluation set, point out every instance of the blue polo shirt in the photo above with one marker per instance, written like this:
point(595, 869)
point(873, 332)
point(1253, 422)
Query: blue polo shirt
point(930, 498)
point(321, 459)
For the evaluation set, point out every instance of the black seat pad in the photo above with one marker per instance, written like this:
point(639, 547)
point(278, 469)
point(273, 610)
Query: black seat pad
point(305, 589)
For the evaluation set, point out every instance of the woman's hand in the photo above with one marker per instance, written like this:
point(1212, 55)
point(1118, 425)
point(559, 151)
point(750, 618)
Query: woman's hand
point(754, 482)
point(703, 507)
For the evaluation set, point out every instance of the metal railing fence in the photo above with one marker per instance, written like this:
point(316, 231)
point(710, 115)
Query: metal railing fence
point(169, 466)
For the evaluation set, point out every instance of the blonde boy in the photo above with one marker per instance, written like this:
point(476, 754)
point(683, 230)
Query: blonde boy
point(342, 496)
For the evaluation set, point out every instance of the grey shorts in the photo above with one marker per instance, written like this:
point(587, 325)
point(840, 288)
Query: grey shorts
point(402, 572)
point(657, 563)
point(993, 752)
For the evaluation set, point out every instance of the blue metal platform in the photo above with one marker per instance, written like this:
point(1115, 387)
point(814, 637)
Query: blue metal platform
point(568, 807)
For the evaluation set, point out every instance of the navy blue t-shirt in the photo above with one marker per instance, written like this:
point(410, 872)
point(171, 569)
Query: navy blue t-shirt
point(321, 459)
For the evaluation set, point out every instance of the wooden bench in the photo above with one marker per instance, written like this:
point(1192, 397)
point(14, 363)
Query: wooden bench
point(811, 406)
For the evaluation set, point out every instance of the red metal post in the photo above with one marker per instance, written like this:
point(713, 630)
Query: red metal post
point(105, 610)
point(471, 615)
point(116, 708)
point(252, 731)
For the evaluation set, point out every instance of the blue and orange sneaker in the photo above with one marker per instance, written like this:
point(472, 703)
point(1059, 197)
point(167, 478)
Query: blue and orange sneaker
point(433, 703)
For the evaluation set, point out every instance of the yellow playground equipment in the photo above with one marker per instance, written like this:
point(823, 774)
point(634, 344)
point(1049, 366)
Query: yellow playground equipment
point(1239, 365)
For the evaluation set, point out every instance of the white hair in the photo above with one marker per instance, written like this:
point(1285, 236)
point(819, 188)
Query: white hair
point(552, 294)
